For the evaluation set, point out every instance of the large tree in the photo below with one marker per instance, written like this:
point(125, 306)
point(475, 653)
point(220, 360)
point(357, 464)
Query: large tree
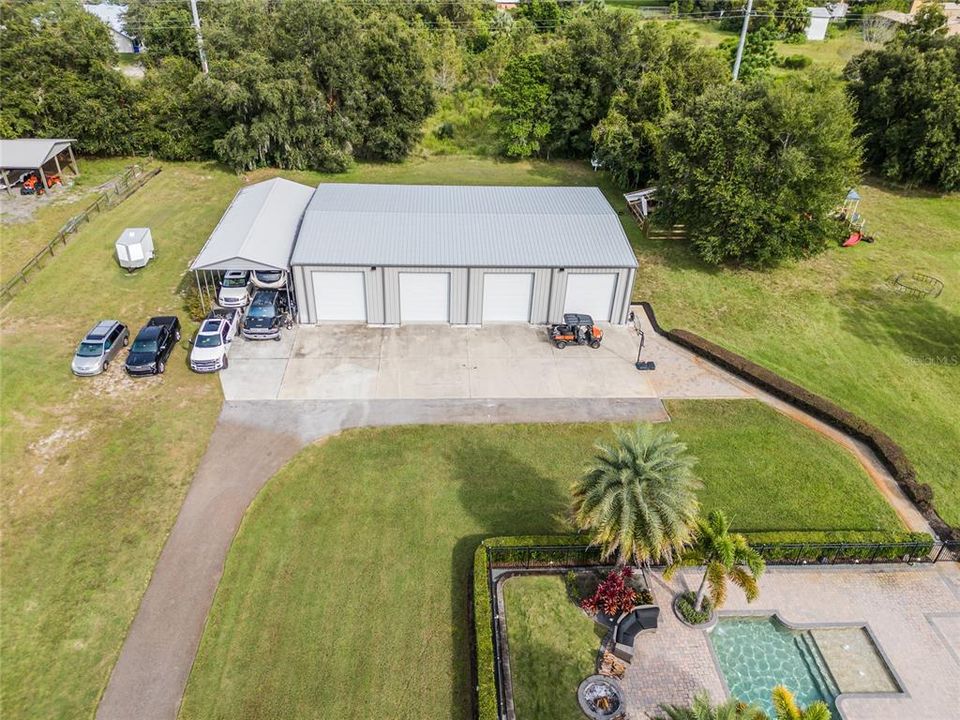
point(908, 108)
point(753, 169)
point(638, 500)
point(675, 70)
point(58, 79)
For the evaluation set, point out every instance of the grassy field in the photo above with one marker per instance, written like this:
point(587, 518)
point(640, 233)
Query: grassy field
point(831, 54)
point(345, 592)
point(833, 324)
point(553, 646)
point(94, 469)
point(29, 222)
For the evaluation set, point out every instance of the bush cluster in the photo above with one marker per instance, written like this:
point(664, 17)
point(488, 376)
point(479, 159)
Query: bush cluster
point(614, 595)
point(686, 606)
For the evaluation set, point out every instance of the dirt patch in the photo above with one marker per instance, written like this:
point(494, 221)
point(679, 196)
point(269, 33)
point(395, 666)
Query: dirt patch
point(52, 446)
point(115, 383)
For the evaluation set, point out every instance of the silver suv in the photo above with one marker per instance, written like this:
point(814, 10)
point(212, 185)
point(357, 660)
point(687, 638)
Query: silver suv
point(99, 347)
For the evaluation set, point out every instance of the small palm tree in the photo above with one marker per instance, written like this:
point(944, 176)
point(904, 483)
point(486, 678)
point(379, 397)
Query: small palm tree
point(786, 708)
point(638, 500)
point(725, 555)
point(784, 704)
point(703, 709)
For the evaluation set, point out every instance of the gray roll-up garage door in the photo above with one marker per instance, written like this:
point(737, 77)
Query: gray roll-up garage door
point(507, 297)
point(590, 294)
point(424, 297)
point(339, 297)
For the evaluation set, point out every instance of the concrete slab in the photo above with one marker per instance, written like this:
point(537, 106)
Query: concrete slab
point(354, 341)
point(325, 378)
point(252, 379)
point(442, 361)
point(517, 378)
point(264, 349)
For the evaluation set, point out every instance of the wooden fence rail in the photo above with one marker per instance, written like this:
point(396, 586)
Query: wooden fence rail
point(132, 179)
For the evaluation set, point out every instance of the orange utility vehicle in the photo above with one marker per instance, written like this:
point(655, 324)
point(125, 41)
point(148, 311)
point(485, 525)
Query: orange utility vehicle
point(576, 329)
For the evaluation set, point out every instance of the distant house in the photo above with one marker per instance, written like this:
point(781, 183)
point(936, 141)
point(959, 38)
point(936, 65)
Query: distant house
point(112, 16)
point(819, 20)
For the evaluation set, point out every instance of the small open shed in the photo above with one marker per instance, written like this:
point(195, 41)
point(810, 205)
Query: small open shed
point(257, 232)
point(40, 155)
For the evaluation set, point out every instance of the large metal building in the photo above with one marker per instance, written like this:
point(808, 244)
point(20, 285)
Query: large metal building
point(389, 254)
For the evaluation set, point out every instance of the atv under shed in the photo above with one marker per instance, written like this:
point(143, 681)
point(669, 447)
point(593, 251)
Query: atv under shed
point(34, 154)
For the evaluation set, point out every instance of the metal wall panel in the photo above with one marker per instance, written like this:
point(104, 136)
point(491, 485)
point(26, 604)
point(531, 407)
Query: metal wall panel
point(459, 279)
point(559, 292)
point(373, 288)
point(541, 293)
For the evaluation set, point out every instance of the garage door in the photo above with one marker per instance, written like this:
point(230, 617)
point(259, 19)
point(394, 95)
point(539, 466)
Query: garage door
point(424, 297)
point(339, 296)
point(591, 295)
point(507, 297)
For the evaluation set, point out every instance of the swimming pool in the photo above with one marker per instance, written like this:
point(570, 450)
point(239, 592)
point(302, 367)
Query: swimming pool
point(756, 654)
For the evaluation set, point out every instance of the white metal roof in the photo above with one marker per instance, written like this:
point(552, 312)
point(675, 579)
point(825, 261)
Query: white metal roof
point(132, 236)
point(112, 15)
point(30, 153)
point(461, 226)
point(258, 230)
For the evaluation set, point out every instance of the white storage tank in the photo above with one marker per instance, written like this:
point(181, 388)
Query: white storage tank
point(134, 248)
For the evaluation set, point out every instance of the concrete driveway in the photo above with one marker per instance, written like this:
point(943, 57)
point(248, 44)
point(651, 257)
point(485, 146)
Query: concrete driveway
point(359, 362)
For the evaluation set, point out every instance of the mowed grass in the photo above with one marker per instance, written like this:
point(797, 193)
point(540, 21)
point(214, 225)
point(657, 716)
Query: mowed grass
point(28, 223)
point(833, 324)
point(94, 469)
point(346, 590)
point(553, 647)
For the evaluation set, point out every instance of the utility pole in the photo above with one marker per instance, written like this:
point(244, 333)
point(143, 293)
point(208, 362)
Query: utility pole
point(743, 40)
point(196, 25)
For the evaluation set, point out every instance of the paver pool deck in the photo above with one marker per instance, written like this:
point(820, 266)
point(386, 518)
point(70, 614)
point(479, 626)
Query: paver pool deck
point(913, 613)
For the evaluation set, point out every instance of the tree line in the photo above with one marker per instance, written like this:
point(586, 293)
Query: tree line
point(751, 168)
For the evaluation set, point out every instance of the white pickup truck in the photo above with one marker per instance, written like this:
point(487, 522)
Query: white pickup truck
point(212, 341)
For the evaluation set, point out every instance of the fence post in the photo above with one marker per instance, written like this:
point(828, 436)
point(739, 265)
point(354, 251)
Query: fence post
point(939, 552)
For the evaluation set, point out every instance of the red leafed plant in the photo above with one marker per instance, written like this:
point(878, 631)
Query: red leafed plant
point(613, 595)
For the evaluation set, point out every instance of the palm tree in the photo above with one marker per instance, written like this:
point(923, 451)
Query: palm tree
point(638, 500)
point(786, 708)
point(784, 705)
point(725, 555)
point(703, 709)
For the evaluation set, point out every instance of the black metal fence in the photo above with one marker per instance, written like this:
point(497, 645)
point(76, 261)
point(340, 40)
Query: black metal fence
point(545, 557)
point(836, 553)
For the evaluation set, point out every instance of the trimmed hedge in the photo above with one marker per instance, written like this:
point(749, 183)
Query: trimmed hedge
point(482, 613)
point(890, 453)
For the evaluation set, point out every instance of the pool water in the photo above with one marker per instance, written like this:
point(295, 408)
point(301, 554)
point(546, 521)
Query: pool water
point(757, 654)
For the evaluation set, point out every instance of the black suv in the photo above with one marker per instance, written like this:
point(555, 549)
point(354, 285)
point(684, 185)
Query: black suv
point(267, 314)
point(153, 346)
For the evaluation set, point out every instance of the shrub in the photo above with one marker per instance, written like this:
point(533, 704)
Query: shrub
point(644, 597)
point(795, 62)
point(614, 595)
point(685, 606)
point(573, 588)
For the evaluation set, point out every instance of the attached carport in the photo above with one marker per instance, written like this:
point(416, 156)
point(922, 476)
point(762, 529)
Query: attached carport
point(400, 254)
point(257, 232)
point(36, 155)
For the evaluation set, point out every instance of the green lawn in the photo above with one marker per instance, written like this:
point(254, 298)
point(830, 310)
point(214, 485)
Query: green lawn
point(553, 646)
point(24, 234)
point(832, 324)
point(94, 469)
point(345, 592)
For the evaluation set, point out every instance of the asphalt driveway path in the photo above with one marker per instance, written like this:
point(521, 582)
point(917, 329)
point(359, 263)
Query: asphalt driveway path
point(252, 441)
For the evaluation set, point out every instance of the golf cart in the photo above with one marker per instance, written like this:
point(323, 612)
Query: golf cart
point(578, 329)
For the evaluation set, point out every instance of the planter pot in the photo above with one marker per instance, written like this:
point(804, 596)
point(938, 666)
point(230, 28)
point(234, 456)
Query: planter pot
point(706, 625)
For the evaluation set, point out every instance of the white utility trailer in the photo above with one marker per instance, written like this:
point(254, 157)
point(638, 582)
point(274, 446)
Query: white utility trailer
point(134, 248)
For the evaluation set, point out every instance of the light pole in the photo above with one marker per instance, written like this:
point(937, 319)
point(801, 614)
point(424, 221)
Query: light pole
point(743, 40)
point(196, 25)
